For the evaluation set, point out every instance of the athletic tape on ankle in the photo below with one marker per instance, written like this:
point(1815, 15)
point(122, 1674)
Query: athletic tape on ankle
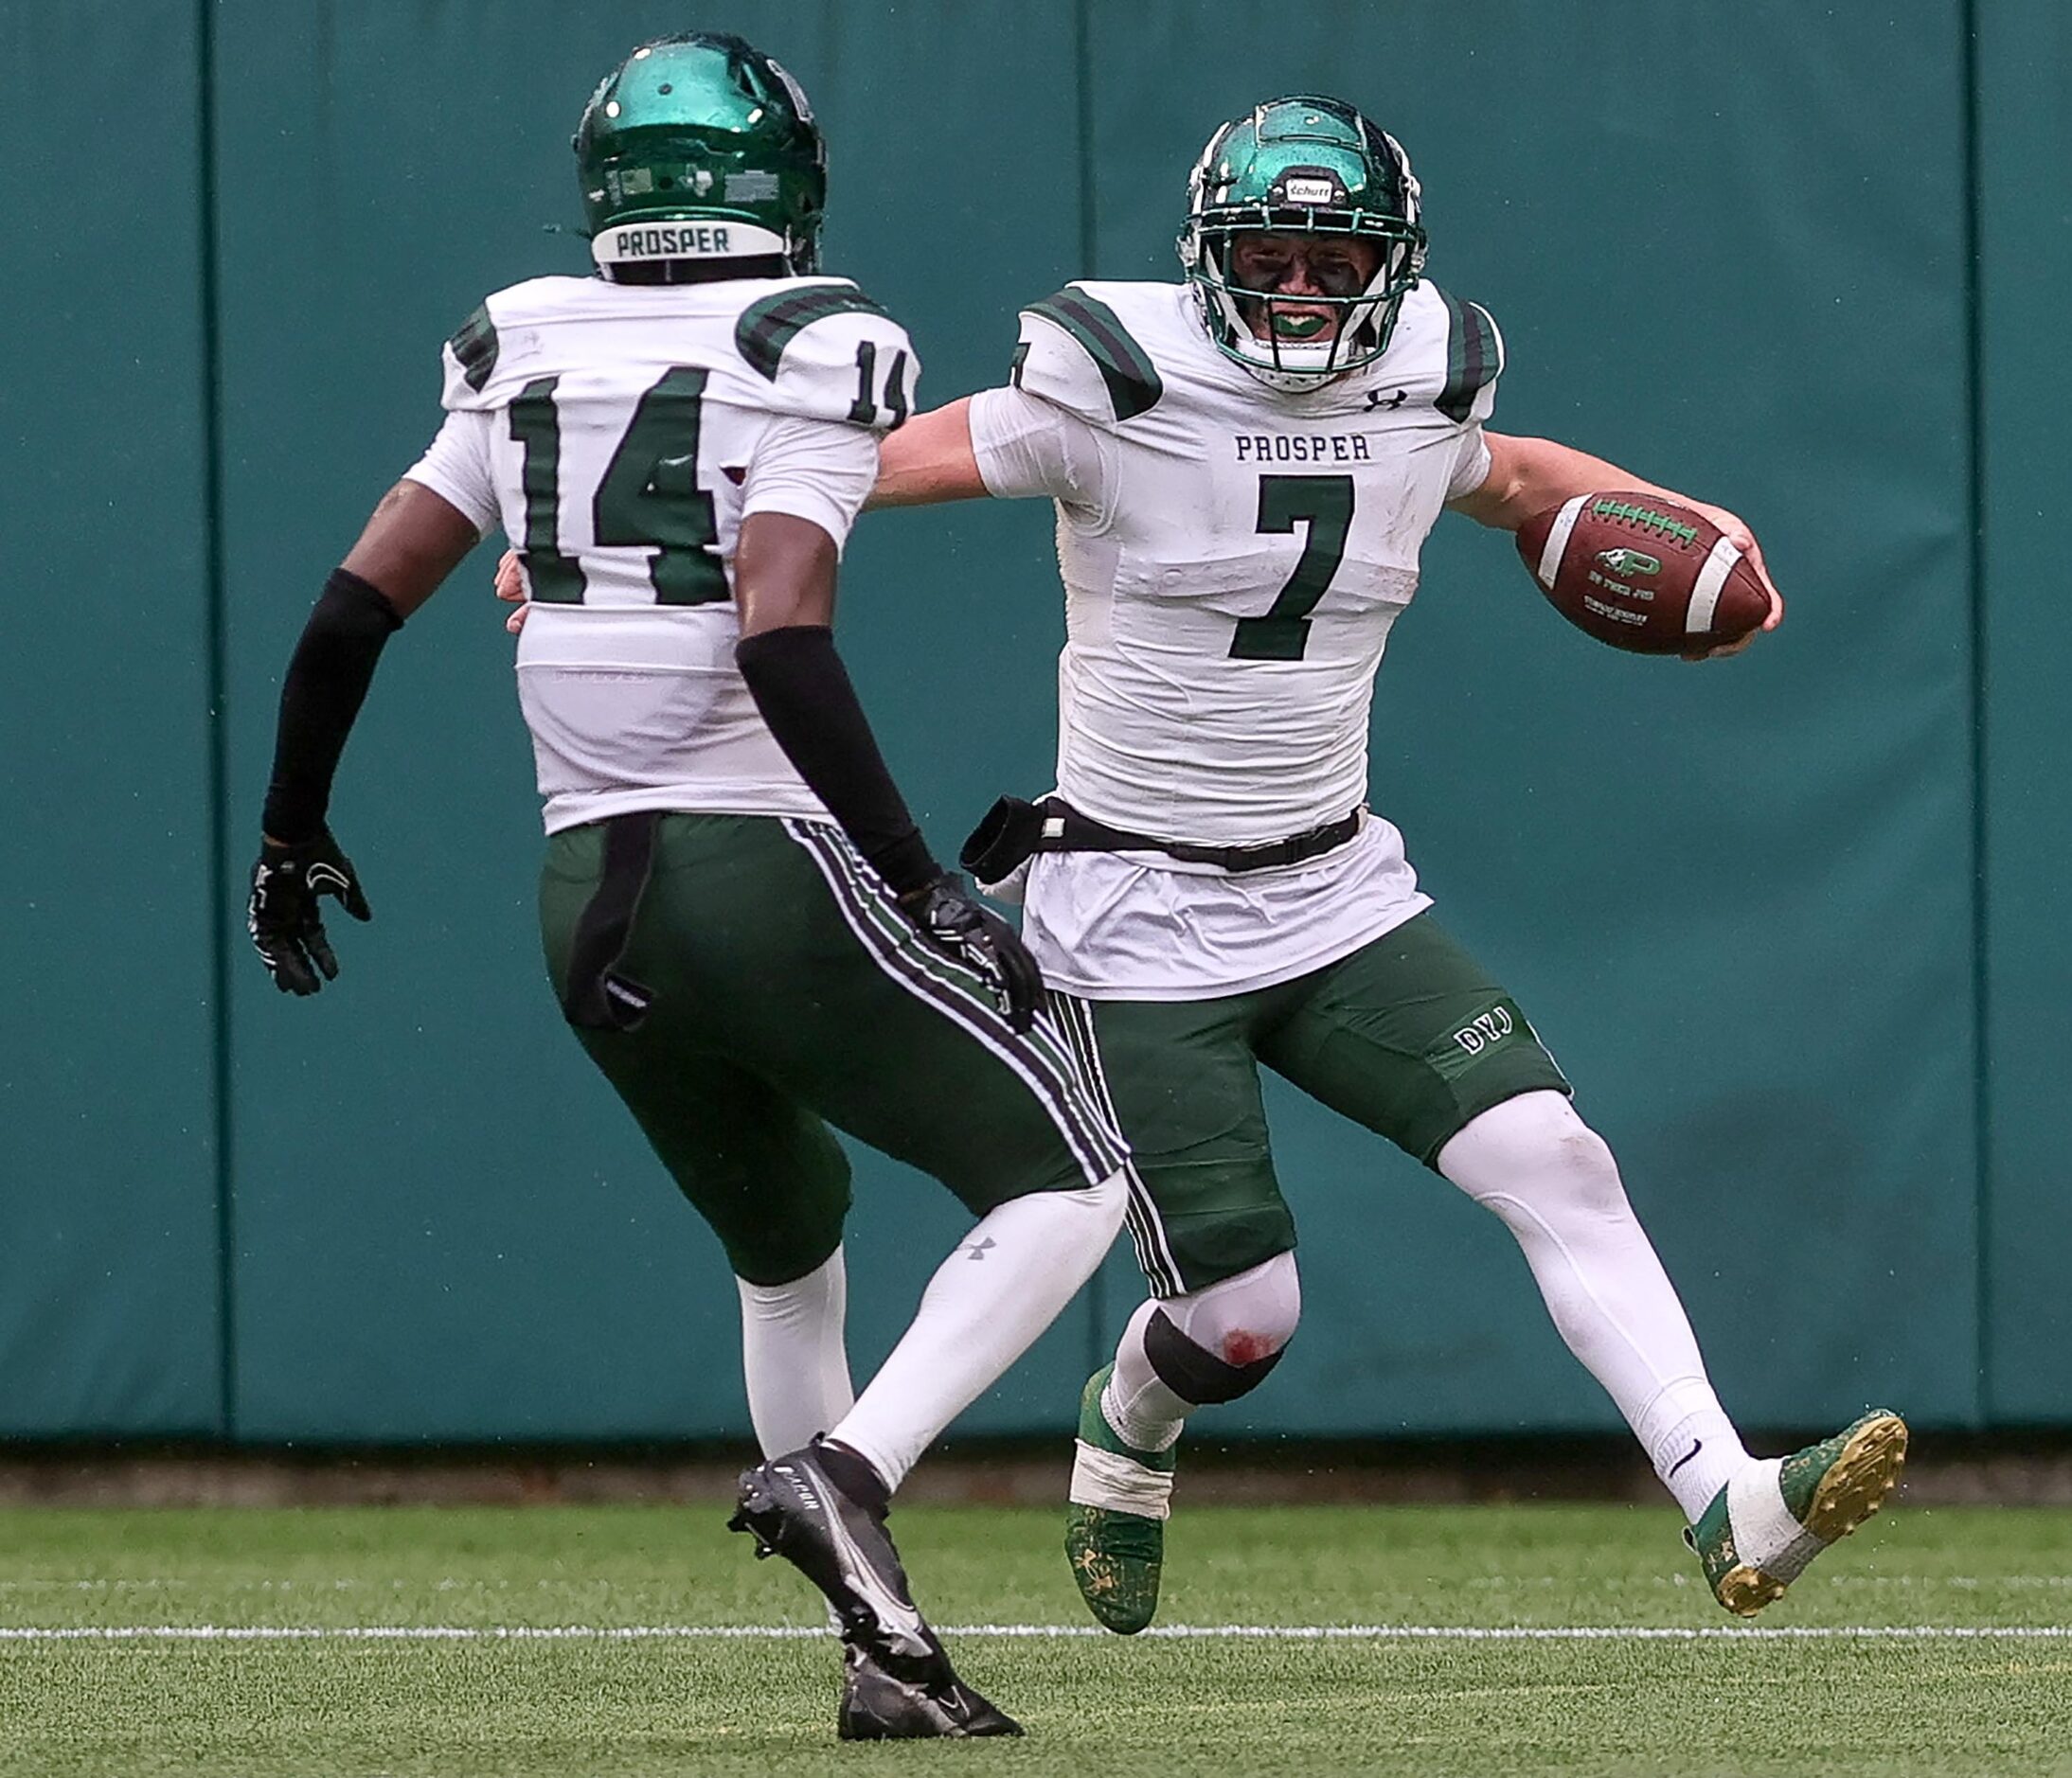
point(1106, 1478)
point(1765, 1534)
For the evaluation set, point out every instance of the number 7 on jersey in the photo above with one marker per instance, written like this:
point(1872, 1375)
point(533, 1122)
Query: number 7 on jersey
point(1324, 503)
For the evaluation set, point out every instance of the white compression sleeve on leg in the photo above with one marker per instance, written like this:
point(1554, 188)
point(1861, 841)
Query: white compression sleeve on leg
point(1241, 1319)
point(1002, 1286)
point(1550, 1177)
point(792, 1358)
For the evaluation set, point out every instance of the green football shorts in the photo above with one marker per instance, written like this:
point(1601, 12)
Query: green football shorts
point(1407, 1036)
point(786, 992)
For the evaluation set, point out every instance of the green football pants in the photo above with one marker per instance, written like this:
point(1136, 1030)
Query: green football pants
point(789, 994)
point(1407, 1036)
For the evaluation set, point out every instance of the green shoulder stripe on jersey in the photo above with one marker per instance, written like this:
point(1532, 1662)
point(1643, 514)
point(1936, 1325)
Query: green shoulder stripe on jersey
point(766, 327)
point(474, 347)
point(1126, 367)
point(1473, 357)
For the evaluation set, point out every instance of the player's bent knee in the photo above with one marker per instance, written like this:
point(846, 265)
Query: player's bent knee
point(1097, 1210)
point(1220, 1342)
point(1593, 1174)
point(1536, 1148)
point(1193, 1372)
point(1111, 1199)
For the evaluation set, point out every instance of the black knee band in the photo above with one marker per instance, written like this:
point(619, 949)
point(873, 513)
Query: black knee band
point(1193, 1372)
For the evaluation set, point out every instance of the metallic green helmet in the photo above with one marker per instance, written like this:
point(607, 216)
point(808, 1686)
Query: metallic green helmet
point(1301, 164)
point(700, 148)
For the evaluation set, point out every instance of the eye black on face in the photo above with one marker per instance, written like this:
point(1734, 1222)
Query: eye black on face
point(1260, 264)
point(1337, 273)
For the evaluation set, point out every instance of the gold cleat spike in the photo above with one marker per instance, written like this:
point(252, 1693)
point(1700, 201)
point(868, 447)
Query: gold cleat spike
point(1857, 1483)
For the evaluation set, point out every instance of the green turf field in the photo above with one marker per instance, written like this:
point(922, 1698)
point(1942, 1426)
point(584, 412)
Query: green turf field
point(612, 1707)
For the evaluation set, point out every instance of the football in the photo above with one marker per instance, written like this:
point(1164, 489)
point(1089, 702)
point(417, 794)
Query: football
point(1643, 574)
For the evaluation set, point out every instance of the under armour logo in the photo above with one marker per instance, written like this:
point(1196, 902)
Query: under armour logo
point(977, 1249)
point(1375, 402)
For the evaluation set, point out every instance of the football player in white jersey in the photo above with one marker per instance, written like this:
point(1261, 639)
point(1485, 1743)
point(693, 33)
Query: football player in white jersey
point(1246, 465)
point(740, 919)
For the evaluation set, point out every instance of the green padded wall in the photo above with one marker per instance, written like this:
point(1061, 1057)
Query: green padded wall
point(2024, 116)
point(108, 1182)
point(1789, 921)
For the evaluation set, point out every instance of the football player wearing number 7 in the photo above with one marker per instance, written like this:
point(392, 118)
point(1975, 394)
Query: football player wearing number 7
point(742, 925)
point(1246, 465)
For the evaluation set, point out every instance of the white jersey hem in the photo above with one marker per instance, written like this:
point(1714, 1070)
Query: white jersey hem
point(1342, 945)
point(580, 809)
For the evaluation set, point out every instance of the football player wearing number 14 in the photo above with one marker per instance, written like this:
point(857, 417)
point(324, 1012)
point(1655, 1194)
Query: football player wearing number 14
point(1246, 465)
point(742, 924)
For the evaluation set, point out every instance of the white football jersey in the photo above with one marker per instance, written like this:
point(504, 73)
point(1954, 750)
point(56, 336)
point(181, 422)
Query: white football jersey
point(619, 434)
point(1233, 559)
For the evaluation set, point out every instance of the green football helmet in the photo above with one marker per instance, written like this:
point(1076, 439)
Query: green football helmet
point(1301, 164)
point(700, 148)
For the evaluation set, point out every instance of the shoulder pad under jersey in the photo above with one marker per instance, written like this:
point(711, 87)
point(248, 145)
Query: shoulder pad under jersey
point(1474, 360)
point(469, 359)
point(1076, 352)
point(828, 351)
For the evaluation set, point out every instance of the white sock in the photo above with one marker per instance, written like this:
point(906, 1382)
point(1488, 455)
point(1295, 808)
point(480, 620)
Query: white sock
point(1002, 1286)
point(1140, 1408)
point(1692, 1443)
point(792, 1358)
point(1551, 1178)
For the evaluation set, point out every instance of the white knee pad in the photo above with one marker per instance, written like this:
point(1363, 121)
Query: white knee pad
point(1217, 1343)
point(1245, 1317)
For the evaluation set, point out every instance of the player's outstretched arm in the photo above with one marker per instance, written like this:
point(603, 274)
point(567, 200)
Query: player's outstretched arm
point(413, 542)
point(1529, 475)
point(928, 460)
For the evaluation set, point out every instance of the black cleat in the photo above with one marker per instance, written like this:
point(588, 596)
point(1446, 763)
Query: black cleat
point(877, 1707)
point(898, 1682)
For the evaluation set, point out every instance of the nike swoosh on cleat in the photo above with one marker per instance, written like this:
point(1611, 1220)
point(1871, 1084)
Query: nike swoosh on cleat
point(1697, 1445)
point(901, 1620)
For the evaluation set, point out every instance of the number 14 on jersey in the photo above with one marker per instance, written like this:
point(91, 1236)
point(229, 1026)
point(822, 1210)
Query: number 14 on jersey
point(649, 495)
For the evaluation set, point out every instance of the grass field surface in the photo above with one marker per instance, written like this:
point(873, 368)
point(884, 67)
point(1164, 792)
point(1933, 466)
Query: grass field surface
point(625, 1642)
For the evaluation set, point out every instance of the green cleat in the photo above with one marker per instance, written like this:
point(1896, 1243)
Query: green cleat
point(1766, 1525)
point(1115, 1527)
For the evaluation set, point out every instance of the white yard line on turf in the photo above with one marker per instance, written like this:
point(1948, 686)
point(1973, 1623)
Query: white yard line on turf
point(1036, 1632)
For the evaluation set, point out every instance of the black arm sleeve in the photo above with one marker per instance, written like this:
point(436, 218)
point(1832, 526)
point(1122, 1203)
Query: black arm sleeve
point(803, 690)
point(327, 682)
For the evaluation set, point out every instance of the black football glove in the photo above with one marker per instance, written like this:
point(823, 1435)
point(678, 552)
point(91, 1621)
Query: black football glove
point(954, 921)
point(282, 917)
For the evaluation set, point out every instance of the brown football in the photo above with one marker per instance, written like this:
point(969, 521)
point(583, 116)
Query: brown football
point(1643, 574)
